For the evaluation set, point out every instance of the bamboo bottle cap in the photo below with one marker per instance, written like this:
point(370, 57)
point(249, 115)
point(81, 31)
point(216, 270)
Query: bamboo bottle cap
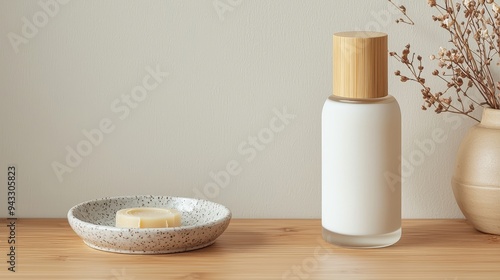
point(360, 64)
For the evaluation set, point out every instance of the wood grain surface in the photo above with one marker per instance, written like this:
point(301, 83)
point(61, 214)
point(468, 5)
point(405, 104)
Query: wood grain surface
point(260, 249)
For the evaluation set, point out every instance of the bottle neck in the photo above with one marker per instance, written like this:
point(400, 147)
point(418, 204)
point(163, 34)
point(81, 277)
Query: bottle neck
point(385, 99)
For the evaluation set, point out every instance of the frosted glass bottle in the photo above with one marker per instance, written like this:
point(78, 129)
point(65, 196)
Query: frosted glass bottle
point(361, 147)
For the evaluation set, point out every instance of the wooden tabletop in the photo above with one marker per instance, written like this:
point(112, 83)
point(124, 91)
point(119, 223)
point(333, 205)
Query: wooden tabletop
point(260, 249)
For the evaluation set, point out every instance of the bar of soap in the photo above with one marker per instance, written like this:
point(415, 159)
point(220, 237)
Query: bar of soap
point(147, 218)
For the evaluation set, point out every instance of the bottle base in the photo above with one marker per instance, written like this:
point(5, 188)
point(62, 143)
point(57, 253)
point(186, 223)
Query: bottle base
point(362, 241)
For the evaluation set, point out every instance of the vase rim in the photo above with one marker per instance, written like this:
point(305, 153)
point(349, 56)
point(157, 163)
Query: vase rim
point(490, 118)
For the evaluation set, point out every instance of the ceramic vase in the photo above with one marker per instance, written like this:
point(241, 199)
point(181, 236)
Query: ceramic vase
point(476, 179)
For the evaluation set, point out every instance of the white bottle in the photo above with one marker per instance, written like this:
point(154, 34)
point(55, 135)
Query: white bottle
point(361, 146)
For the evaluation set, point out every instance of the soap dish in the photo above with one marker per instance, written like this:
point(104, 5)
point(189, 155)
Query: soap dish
point(202, 222)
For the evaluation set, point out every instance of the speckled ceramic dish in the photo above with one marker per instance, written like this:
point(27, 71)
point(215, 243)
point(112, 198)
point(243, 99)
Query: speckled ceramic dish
point(202, 222)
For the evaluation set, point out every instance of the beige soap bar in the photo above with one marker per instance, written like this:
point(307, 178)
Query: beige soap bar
point(147, 218)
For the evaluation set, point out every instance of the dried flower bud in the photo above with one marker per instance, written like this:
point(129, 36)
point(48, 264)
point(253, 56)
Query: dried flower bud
point(484, 33)
point(392, 53)
point(419, 58)
point(446, 23)
point(432, 57)
point(468, 13)
point(424, 108)
point(431, 3)
point(404, 79)
point(397, 73)
point(495, 7)
point(477, 35)
point(460, 82)
point(435, 72)
point(470, 83)
point(442, 51)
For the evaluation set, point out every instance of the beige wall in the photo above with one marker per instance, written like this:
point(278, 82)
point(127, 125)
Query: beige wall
point(157, 95)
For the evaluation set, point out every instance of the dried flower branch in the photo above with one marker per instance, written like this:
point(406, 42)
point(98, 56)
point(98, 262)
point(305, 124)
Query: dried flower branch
point(402, 9)
point(474, 32)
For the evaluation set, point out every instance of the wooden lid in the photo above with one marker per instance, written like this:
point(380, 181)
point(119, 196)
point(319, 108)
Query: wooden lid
point(360, 64)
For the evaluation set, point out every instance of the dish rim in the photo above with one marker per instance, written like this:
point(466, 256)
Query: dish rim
point(71, 215)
